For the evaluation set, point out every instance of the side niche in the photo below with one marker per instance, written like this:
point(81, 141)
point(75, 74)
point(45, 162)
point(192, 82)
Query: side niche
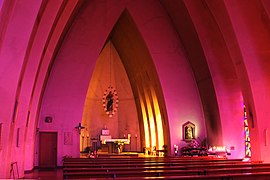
point(188, 130)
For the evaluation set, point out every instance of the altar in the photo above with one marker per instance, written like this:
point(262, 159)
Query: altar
point(112, 145)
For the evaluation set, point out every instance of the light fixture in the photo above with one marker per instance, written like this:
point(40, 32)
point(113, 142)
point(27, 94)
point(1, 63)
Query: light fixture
point(110, 97)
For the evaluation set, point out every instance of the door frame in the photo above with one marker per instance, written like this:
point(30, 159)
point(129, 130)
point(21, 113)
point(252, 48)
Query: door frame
point(56, 151)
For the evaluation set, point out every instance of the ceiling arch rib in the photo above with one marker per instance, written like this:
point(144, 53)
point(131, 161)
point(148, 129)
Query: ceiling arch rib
point(140, 69)
point(45, 50)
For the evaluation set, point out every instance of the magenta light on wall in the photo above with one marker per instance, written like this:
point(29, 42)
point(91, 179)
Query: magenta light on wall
point(1, 125)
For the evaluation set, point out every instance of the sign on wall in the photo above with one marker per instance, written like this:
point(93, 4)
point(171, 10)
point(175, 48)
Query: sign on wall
point(68, 138)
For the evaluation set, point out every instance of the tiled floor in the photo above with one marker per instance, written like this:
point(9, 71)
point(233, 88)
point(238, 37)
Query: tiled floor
point(54, 174)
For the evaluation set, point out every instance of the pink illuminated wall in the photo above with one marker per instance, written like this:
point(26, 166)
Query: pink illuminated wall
point(17, 22)
point(210, 57)
point(226, 83)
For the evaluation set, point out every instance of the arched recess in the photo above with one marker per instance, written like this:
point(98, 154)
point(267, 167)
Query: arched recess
point(235, 69)
point(187, 32)
point(250, 22)
point(223, 73)
point(128, 43)
point(123, 123)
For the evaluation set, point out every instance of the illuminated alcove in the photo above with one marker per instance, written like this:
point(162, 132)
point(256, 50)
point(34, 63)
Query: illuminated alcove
point(144, 80)
point(109, 71)
point(125, 64)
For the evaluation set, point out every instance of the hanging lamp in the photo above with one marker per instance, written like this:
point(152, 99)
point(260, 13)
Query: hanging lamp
point(110, 97)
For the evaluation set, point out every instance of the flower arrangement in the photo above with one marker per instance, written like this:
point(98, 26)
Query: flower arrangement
point(194, 144)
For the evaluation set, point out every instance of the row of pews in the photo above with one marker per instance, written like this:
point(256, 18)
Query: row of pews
point(164, 168)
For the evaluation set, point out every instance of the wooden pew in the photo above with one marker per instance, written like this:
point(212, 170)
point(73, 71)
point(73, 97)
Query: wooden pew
point(161, 174)
point(155, 159)
point(189, 165)
point(206, 168)
point(236, 176)
point(153, 168)
point(143, 160)
point(130, 173)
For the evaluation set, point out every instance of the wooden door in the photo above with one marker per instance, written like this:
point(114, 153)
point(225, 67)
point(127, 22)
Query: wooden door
point(47, 149)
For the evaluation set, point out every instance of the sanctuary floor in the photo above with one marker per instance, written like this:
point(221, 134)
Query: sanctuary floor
point(57, 174)
point(45, 174)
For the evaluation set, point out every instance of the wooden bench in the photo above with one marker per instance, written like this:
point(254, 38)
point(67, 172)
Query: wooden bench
point(236, 176)
point(161, 173)
point(130, 173)
point(244, 168)
point(171, 159)
point(155, 164)
point(153, 168)
point(145, 160)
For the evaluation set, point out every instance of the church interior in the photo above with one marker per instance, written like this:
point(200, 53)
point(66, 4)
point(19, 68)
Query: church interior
point(132, 78)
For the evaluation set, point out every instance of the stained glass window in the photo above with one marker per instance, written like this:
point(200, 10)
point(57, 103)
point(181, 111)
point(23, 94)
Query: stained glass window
point(247, 135)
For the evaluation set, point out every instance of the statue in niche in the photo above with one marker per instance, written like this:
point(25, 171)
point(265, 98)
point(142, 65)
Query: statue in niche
point(188, 131)
point(109, 99)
